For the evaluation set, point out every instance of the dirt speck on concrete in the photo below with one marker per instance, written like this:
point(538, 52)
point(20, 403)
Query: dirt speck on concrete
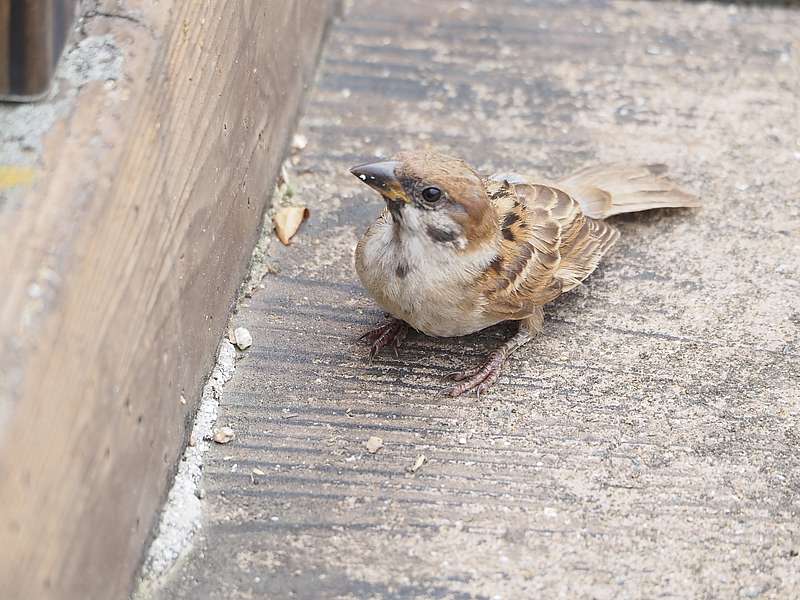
point(373, 444)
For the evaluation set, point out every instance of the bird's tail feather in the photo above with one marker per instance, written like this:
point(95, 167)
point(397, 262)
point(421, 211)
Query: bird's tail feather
point(614, 189)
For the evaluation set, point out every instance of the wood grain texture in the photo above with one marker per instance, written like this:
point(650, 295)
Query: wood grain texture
point(137, 233)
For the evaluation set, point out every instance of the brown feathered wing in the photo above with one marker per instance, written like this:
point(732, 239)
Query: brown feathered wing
point(548, 246)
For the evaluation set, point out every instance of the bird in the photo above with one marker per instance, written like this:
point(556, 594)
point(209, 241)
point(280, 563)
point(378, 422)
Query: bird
point(454, 252)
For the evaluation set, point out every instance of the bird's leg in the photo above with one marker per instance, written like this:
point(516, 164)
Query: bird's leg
point(392, 333)
point(480, 378)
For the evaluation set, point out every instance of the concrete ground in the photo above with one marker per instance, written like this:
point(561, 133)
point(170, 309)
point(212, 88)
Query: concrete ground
point(646, 444)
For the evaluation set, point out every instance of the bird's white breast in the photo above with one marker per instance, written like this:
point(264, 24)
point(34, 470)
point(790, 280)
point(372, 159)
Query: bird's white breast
point(427, 284)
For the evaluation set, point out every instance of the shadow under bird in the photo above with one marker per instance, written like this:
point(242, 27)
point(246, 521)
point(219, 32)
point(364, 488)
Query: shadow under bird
point(455, 252)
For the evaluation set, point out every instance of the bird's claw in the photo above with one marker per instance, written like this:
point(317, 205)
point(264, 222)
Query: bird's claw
point(463, 374)
point(392, 334)
point(478, 378)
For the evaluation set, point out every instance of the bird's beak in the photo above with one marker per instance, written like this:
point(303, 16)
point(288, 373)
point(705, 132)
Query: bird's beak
point(381, 177)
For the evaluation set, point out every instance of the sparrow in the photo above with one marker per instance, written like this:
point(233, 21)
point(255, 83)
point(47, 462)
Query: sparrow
point(454, 252)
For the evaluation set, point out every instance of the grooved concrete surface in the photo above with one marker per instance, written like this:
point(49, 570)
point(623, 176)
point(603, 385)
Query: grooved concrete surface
point(646, 444)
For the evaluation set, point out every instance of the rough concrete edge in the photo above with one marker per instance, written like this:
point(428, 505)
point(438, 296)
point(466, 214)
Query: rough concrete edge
point(181, 516)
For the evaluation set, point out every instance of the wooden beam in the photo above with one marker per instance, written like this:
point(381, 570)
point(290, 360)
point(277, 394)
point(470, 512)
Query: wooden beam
point(120, 264)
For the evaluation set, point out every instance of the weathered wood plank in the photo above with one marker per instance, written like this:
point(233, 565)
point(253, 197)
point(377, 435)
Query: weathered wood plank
point(119, 265)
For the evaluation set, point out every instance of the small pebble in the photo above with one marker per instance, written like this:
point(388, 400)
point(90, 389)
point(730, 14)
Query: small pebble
point(223, 435)
point(299, 142)
point(417, 464)
point(374, 444)
point(242, 338)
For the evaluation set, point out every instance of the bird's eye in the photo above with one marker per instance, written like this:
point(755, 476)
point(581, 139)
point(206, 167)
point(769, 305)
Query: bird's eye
point(431, 194)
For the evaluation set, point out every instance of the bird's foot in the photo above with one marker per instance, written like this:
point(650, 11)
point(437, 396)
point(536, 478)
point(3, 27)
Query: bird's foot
point(391, 333)
point(478, 378)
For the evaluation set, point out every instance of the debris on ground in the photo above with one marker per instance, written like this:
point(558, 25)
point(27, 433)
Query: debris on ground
point(223, 435)
point(288, 220)
point(283, 186)
point(242, 338)
point(421, 459)
point(299, 143)
point(262, 262)
point(374, 444)
point(255, 475)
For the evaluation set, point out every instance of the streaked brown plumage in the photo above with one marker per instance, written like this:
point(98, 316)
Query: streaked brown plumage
point(454, 253)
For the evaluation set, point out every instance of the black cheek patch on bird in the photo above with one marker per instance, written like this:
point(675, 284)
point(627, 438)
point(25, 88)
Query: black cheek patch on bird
point(402, 270)
point(396, 208)
point(442, 236)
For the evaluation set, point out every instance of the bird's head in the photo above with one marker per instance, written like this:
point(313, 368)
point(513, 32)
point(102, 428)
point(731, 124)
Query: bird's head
point(433, 195)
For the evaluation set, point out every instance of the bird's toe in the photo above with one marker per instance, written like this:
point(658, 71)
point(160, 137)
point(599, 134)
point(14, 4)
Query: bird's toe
point(479, 378)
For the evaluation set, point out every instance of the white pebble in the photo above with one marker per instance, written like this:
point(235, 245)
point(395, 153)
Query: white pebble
point(242, 338)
